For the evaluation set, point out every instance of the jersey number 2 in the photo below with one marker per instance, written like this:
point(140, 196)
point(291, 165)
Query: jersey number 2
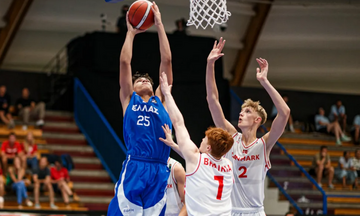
point(221, 185)
point(243, 174)
point(143, 120)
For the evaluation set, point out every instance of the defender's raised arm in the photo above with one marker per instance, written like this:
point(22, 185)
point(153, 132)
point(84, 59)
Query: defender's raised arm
point(212, 91)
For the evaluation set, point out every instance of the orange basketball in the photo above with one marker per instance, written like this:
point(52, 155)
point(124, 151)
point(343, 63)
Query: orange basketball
point(141, 15)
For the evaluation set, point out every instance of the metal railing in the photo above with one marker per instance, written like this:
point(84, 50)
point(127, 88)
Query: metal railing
point(98, 132)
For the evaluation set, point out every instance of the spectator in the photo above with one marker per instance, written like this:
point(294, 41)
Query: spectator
point(323, 125)
point(337, 114)
point(41, 177)
point(60, 179)
point(1, 189)
point(289, 214)
point(356, 129)
point(29, 109)
point(356, 162)
point(121, 26)
point(9, 150)
point(290, 120)
point(180, 27)
point(15, 178)
point(322, 166)
point(29, 148)
point(5, 116)
point(346, 170)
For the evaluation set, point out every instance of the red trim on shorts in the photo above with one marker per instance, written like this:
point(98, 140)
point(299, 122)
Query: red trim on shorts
point(250, 144)
point(187, 175)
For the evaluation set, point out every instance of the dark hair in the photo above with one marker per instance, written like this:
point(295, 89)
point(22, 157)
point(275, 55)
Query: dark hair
point(357, 149)
point(138, 75)
point(323, 147)
point(12, 134)
point(345, 152)
point(183, 21)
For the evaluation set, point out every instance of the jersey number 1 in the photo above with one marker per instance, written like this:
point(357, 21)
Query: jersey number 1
point(221, 185)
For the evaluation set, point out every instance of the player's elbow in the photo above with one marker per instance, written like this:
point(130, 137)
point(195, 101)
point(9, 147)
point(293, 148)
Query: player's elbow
point(124, 61)
point(166, 59)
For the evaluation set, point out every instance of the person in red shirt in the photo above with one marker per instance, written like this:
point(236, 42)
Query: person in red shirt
point(29, 148)
point(60, 178)
point(9, 150)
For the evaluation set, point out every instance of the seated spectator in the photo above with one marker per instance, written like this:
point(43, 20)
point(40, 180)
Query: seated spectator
point(29, 109)
point(337, 114)
point(323, 125)
point(41, 178)
point(356, 129)
point(5, 116)
point(356, 162)
point(345, 170)
point(9, 150)
point(60, 179)
point(322, 166)
point(1, 189)
point(29, 148)
point(15, 178)
point(290, 120)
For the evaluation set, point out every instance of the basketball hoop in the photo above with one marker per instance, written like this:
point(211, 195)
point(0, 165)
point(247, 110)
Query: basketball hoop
point(208, 12)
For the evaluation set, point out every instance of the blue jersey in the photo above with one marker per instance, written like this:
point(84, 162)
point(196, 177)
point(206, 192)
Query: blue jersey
point(142, 128)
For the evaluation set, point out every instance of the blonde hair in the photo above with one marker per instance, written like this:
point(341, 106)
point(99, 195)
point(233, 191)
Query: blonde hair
point(27, 143)
point(257, 107)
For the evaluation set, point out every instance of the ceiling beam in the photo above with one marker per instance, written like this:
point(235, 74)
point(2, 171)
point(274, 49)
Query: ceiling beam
point(13, 18)
point(249, 41)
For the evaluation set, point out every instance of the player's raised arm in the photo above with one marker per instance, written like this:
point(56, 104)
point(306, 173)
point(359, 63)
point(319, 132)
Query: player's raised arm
point(165, 52)
point(279, 123)
point(212, 91)
point(169, 141)
point(125, 76)
point(187, 147)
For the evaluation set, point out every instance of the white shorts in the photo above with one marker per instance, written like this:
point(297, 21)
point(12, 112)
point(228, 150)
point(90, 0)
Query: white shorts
point(248, 212)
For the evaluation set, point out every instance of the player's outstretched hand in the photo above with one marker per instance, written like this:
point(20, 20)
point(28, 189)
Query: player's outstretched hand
point(157, 14)
point(261, 73)
point(164, 85)
point(216, 52)
point(130, 27)
point(168, 136)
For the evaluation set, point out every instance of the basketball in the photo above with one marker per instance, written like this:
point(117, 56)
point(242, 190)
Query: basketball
point(140, 15)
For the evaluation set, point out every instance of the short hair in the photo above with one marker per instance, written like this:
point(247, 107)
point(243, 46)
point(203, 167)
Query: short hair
point(257, 107)
point(345, 152)
point(323, 147)
point(12, 134)
point(219, 140)
point(138, 75)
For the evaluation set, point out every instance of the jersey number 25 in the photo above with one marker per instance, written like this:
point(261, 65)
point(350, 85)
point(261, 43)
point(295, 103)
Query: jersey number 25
point(143, 120)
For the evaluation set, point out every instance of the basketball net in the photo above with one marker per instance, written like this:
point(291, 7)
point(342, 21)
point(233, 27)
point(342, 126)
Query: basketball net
point(208, 12)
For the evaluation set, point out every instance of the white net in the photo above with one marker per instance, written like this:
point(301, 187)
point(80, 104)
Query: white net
point(208, 12)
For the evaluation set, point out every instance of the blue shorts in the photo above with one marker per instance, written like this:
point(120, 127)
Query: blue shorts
point(141, 189)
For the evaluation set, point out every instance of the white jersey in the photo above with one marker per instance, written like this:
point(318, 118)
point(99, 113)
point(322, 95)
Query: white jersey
point(250, 166)
point(208, 187)
point(173, 200)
